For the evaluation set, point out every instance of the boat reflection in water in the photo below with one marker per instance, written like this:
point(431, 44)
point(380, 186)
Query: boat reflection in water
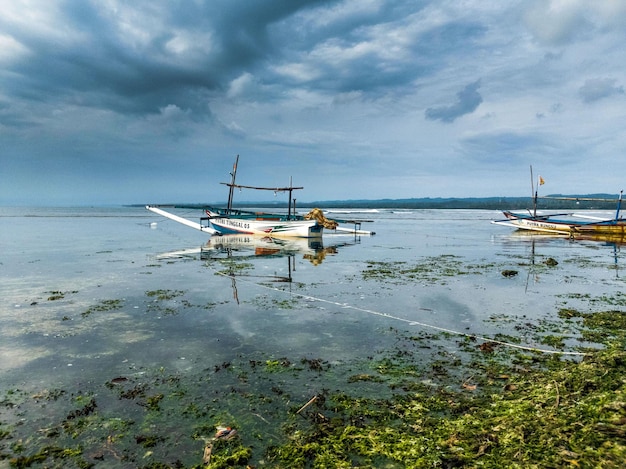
point(233, 253)
point(311, 249)
point(536, 238)
point(314, 250)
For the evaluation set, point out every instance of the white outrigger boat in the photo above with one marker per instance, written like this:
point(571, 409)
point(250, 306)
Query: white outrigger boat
point(570, 224)
point(222, 221)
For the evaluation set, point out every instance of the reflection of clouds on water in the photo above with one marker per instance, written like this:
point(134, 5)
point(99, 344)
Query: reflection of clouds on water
point(285, 323)
point(444, 309)
point(111, 259)
point(242, 326)
point(15, 357)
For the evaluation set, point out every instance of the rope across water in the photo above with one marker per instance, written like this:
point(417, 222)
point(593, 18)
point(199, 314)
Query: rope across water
point(409, 321)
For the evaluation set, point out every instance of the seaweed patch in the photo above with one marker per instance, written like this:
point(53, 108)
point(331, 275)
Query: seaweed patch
point(431, 401)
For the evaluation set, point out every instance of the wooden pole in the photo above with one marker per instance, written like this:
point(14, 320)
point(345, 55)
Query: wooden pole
point(535, 190)
point(289, 202)
point(232, 186)
point(311, 401)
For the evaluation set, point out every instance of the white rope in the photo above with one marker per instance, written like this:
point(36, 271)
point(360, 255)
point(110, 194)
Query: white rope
point(411, 322)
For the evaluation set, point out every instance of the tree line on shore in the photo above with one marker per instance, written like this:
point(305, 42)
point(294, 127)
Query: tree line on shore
point(551, 202)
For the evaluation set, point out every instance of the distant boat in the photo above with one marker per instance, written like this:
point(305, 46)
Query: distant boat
point(222, 221)
point(610, 239)
point(571, 224)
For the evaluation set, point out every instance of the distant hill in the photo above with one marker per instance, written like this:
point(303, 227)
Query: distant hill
point(555, 201)
point(550, 202)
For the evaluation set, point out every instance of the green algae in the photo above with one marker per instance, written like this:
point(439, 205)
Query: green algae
point(152, 402)
point(552, 413)
point(50, 452)
point(59, 295)
point(558, 342)
point(103, 306)
point(229, 453)
point(434, 269)
point(162, 295)
point(481, 404)
point(277, 366)
point(166, 302)
point(266, 303)
point(162, 302)
point(599, 327)
point(233, 266)
point(615, 299)
point(528, 410)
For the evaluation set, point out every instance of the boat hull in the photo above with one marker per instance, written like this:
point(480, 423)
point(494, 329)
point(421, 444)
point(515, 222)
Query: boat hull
point(265, 226)
point(549, 225)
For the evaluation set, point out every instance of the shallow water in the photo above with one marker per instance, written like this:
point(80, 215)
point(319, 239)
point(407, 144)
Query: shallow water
point(88, 295)
point(329, 308)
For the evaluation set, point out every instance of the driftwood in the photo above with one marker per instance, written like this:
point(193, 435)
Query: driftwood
point(208, 448)
point(311, 401)
point(223, 433)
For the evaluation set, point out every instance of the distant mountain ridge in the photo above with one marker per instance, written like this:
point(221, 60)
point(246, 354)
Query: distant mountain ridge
point(549, 202)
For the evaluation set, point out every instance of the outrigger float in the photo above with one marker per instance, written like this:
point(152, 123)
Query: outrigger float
point(570, 224)
point(229, 220)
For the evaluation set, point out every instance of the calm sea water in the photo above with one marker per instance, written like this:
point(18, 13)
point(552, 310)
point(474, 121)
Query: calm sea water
point(90, 294)
point(92, 257)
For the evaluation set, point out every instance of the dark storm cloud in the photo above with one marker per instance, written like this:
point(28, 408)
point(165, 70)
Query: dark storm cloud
point(467, 101)
point(92, 61)
point(142, 57)
point(162, 91)
point(350, 55)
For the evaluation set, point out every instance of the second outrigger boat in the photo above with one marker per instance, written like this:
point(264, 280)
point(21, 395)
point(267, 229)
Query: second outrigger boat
point(571, 224)
point(229, 220)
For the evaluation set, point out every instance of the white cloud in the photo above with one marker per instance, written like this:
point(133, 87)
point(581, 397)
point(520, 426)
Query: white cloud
point(557, 22)
point(240, 85)
point(299, 72)
point(11, 49)
point(554, 22)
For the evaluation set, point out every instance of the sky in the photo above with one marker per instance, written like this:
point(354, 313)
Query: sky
point(106, 102)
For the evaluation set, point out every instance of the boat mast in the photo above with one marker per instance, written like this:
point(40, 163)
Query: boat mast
point(289, 204)
point(532, 189)
point(232, 186)
point(619, 205)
